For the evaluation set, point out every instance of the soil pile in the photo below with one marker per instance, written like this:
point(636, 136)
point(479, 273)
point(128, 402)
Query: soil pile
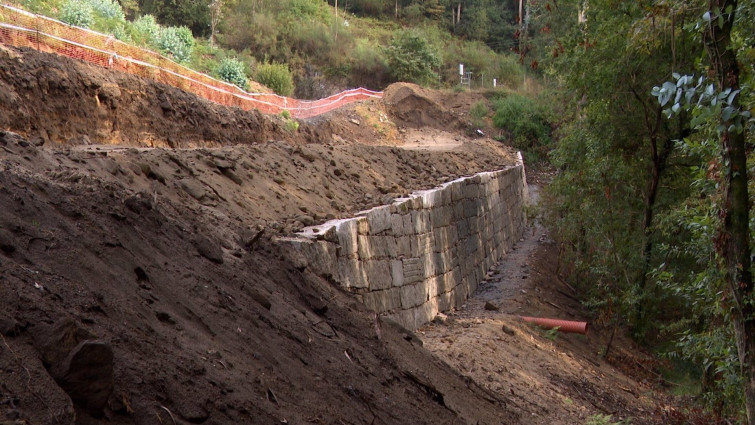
point(412, 106)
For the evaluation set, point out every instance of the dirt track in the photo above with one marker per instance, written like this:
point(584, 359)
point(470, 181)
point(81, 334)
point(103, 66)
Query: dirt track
point(161, 259)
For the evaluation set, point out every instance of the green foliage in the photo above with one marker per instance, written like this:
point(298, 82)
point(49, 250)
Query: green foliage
point(412, 58)
point(478, 112)
point(193, 14)
point(147, 28)
point(551, 334)
point(232, 70)
point(527, 124)
point(276, 76)
point(368, 65)
point(78, 13)
point(177, 42)
point(291, 126)
point(108, 9)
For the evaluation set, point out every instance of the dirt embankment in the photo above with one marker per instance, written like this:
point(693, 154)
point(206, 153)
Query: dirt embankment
point(139, 285)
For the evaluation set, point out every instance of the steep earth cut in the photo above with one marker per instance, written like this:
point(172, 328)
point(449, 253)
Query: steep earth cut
point(155, 268)
point(141, 285)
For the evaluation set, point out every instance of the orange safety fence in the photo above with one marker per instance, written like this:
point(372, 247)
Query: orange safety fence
point(23, 29)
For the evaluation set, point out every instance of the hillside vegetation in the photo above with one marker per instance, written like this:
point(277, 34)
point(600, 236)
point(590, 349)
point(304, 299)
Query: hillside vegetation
point(310, 48)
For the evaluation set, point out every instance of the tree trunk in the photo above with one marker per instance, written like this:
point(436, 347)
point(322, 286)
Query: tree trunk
point(732, 242)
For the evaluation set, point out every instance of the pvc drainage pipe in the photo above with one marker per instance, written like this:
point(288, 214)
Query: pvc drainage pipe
point(562, 325)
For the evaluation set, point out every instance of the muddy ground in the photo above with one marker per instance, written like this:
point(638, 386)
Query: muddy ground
point(139, 283)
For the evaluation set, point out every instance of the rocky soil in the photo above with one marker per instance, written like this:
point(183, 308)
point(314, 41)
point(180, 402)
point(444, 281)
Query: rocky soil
point(139, 283)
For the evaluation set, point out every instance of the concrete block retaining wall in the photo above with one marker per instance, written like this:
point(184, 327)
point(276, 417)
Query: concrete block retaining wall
point(422, 254)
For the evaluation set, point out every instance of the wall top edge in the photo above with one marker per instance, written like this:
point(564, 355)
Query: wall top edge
point(319, 231)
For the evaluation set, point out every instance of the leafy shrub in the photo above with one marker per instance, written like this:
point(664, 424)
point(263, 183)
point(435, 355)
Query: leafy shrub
point(306, 8)
point(148, 28)
point(291, 126)
point(369, 66)
point(526, 122)
point(78, 13)
point(176, 41)
point(478, 112)
point(276, 76)
point(232, 71)
point(109, 9)
point(523, 118)
point(121, 33)
point(412, 58)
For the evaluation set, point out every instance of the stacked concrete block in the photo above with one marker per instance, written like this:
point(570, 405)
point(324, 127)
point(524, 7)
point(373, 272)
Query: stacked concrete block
point(422, 254)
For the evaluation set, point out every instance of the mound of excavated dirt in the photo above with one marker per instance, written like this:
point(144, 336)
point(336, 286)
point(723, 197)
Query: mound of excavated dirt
point(412, 106)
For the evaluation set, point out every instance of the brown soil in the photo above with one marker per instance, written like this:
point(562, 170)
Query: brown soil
point(140, 285)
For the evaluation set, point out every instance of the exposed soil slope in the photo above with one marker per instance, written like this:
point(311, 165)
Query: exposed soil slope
point(160, 260)
point(140, 285)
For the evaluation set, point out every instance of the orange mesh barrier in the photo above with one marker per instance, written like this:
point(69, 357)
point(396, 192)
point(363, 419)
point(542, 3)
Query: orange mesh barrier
point(24, 29)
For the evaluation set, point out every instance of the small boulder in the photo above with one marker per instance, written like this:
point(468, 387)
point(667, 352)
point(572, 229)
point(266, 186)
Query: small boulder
point(490, 306)
point(193, 188)
point(306, 220)
point(209, 250)
point(86, 375)
point(7, 242)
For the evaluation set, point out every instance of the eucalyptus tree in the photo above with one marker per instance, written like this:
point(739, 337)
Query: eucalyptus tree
point(616, 149)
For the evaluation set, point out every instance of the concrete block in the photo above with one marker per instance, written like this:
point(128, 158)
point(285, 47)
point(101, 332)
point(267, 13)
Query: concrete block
point(456, 193)
point(413, 295)
point(383, 301)
point(447, 282)
point(425, 313)
point(441, 216)
point(462, 227)
point(431, 198)
point(397, 225)
point(347, 238)
point(351, 274)
point(378, 274)
point(457, 211)
point(416, 203)
point(421, 221)
point(397, 272)
point(408, 225)
point(404, 246)
point(363, 226)
point(446, 301)
point(422, 244)
point(446, 195)
point(470, 208)
point(379, 220)
point(364, 247)
point(392, 244)
point(414, 270)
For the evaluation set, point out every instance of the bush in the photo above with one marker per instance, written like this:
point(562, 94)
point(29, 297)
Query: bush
point(78, 13)
point(526, 122)
point(232, 71)
point(148, 28)
point(369, 66)
point(177, 42)
point(412, 58)
point(478, 112)
point(109, 9)
point(276, 76)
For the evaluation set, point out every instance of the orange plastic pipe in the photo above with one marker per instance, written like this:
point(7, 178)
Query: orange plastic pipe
point(562, 325)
